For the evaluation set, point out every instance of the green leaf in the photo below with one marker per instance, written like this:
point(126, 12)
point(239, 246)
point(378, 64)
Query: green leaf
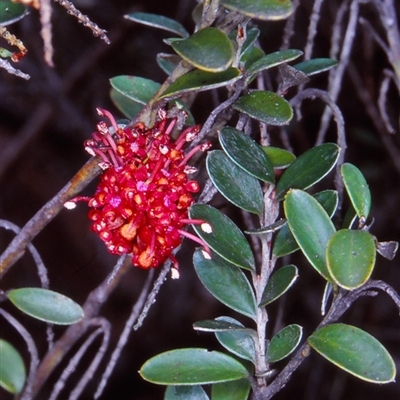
point(185, 393)
point(354, 351)
point(315, 66)
point(214, 325)
point(192, 366)
point(158, 21)
point(357, 189)
point(208, 49)
point(350, 257)
point(236, 390)
point(266, 107)
point(4, 53)
point(272, 60)
point(285, 243)
point(12, 368)
point(251, 36)
point(247, 154)
point(284, 342)
point(234, 183)
point(198, 81)
point(308, 169)
point(279, 283)
point(140, 90)
point(310, 226)
point(280, 158)
point(127, 106)
point(266, 10)
point(268, 229)
point(46, 305)
point(253, 54)
point(225, 237)
point(168, 62)
point(226, 282)
point(11, 12)
point(240, 343)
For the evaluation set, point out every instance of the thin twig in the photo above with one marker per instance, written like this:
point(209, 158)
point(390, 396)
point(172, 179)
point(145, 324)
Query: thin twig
point(123, 339)
point(11, 70)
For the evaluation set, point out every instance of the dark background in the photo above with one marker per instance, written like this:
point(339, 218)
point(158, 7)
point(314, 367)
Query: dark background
point(43, 124)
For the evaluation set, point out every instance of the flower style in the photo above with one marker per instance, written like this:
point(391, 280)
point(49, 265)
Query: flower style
point(140, 206)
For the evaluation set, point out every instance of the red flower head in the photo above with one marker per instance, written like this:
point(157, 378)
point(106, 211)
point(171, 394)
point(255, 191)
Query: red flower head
point(140, 206)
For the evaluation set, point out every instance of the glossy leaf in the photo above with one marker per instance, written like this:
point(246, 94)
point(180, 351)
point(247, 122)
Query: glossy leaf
point(225, 238)
point(226, 282)
point(12, 368)
point(46, 305)
point(350, 257)
point(208, 49)
point(357, 189)
point(308, 169)
point(192, 366)
point(247, 154)
point(126, 105)
point(158, 21)
point(185, 393)
point(354, 351)
point(234, 183)
point(266, 107)
point(214, 325)
point(279, 283)
point(276, 226)
point(284, 342)
point(167, 62)
point(198, 81)
point(240, 343)
point(272, 60)
point(266, 10)
point(11, 12)
point(315, 66)
point(236, 390)
point(280, 158)
point(140, 90)
point(311, 227)
point(285, 243)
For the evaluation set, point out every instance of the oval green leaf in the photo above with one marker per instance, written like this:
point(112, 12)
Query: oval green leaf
point(272, 60)
point(315, 66)
point(12, 368)
point(308, 169)
point(140, 90)
point(46, 305)
point(247, 154)
point(266, 10)
point(192, 366)
point(354, 351)
point(234, 183)
point(350, 257)
point(236, 390)
point(208, 49)
point(198, 81)
point(213, 325)
point(225, 238)
point(311, 227)
point(168, 62)
point(186, 393)
point(285, 243)
point(284, 342)
point(266, 107)
point(11, 12)
point(279, 158)
point(240, 343)
point(226, 282)
point(357, 189)
point(158, 21)
point(279, 283)
point(126, 105)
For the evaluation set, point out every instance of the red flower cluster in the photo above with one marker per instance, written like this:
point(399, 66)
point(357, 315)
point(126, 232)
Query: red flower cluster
point(141, 203)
